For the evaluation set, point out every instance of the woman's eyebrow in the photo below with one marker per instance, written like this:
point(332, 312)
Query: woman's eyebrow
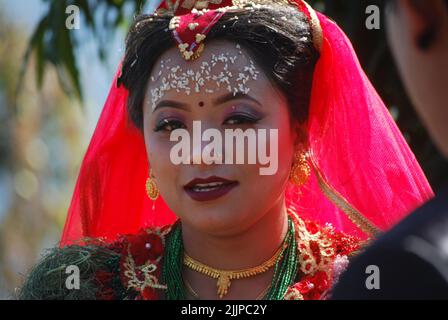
point(171, 104)
point(220, 100)
point(230, 96)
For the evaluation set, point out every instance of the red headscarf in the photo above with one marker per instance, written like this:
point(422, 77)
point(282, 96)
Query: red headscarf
point(365, 177)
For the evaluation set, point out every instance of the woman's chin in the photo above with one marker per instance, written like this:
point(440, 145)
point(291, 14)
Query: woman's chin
point(219, 221)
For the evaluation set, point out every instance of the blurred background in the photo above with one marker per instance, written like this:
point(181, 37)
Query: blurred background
point(53, 82)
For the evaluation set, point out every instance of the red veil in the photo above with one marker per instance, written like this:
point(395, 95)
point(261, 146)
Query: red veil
point(365, 177)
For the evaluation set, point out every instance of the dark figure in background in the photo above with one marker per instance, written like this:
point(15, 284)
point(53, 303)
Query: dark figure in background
point(412, 258)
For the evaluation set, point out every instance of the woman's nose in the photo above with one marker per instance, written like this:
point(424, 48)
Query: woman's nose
point(205, 149)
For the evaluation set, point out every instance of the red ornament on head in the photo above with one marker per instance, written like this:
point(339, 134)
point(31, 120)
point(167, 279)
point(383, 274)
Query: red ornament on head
point(181, 7)
point(193, 19)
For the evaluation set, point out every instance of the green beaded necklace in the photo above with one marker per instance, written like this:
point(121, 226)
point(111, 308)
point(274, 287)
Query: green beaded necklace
point(285, 270)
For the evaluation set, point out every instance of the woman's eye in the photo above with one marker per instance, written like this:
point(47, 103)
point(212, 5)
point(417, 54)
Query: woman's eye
point(169, 125)
point(241, 119)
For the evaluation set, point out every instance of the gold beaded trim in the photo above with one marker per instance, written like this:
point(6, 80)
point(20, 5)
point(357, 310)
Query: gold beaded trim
point(354, 215)
point(316, 29)
point(307, 260)
point(148, 270)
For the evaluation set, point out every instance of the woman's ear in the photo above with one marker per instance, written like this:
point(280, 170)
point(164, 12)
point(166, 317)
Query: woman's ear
point(425, 18)
point(300, 135)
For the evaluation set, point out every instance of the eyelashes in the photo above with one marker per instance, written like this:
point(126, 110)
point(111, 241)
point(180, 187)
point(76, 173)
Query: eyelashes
point(242, 118)
point(170, 124)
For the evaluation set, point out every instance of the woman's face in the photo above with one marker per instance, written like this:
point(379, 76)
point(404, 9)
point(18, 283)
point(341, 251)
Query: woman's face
point(227, 198)
point(424, 72)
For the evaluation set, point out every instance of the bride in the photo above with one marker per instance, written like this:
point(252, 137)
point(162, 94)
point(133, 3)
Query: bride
point(142, 226)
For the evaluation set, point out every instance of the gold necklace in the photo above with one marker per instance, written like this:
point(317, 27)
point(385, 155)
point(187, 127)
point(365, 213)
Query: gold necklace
point(195, 295)
point(224, 276)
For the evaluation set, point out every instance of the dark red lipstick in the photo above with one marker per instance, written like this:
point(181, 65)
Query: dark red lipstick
point(209, 189)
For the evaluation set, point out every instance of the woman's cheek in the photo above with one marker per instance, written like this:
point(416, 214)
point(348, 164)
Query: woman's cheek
point(280, 144)
point(166, 173)
point(159, 155)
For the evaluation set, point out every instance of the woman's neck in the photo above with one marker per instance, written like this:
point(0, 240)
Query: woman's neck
point(247, 249)
point(243, 250)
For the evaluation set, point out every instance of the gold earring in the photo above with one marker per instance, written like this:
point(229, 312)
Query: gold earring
point(300, 171)
point(151, 187)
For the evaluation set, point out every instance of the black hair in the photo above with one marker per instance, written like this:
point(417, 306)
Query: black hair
point(278, 38)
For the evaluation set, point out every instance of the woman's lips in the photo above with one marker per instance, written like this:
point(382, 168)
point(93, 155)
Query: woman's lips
point(209, 189)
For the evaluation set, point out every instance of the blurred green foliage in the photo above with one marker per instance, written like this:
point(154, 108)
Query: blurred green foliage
point(42, 141)
point(55, 44)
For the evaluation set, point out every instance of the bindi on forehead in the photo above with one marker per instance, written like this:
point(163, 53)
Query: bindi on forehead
point(231, 71)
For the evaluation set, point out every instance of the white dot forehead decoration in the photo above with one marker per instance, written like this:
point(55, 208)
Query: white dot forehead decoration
point(212, 75)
